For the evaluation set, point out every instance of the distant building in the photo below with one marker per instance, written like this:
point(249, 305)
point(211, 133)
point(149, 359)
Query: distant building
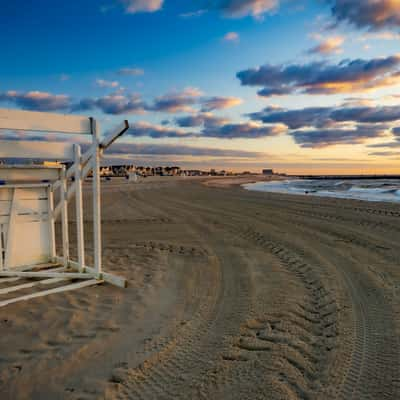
point(268, 171)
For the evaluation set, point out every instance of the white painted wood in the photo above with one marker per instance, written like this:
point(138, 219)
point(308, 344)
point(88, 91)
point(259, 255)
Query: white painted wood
point(24, 193)
point(24, 219)
point(79, 208)
point(114, 135)
point(38, 267)
point(7, 280)
point(48, 274)
point(71, 170)
point(96, 199)
point(2, 250)
point(36, 206)
point(51, 223)
point(29, 285)
point(72, 188)
point(39, 150)
point(25, 216)
point(72, 286)
point(14, 279)
point(33, 213)
point(110, 278)
point(64, 218)
point(25, 185)
point(29, 244)
point(10, 238)
point(43, 121)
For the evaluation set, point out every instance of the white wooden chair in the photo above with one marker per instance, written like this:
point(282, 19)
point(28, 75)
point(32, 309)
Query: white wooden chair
point(28, 210)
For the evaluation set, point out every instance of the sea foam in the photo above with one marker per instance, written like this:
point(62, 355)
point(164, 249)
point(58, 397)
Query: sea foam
point(387, 190)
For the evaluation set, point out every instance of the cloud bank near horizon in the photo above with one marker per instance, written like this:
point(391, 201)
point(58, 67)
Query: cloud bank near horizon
point(347, 76)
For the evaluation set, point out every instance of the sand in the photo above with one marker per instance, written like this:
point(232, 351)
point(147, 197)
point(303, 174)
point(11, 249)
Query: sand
point(232, 295)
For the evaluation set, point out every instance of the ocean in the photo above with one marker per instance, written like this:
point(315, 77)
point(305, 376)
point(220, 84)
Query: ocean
point(387, 190)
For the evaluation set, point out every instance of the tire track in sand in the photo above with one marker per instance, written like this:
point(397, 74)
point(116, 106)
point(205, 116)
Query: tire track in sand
point(318, 316)
point(374, 364)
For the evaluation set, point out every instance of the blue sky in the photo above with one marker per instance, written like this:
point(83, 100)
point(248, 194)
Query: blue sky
point(156, 62)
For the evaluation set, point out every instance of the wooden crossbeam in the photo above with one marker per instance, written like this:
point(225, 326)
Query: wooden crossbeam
point(38, 267)
point(32, 274)
point(18, 278)
point(28, 285)
point(31, 149)
point(107, 277)
point(44, 121)
point(72, 286)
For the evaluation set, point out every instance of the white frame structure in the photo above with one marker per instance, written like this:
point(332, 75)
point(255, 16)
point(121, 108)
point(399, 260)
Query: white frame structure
point(68, 183)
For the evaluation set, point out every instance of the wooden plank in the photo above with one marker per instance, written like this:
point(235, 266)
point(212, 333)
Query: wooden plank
point(64, 218)
point(11, 228)
point(33, 150)
point(72, 188)
point(44, 122)
point(107, 277)
point(25, 207)
point(14, 279)
point(96, 198)
point(114, 135)
point(2, 235)
point(72, 286)
point(23, 186)
point(52, 231)
point(29, 285)
point(38, 267)
point(7, 280)
point(24, 219)
point(79, 207)
point(44, 274)
point(28, 225)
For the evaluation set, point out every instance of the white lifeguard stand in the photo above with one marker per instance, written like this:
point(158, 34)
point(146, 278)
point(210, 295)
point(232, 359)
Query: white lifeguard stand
point(28, 209)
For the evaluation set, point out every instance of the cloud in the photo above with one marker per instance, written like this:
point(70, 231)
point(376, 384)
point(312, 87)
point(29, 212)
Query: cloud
point(331, 45)
point(396, 132)
point(155, 131)
point(203, 119)
point(137, 6)
point(367, 114)
point(242, 8)
point(106, 84)
point(114, 104)
point(231, 37)
point(369, 14)
point(130, 71)
point(275, 91)
point(245, 130)
point(37, 101)
point(348, 76)
point(64, 77)
point(319, 138)
point(177, 101)
point(135, 149)
point(164, 149)
point(219, 103)
point(118, 102)
point(294, 119)
point(325, 116)
point(222, 130)
point(385, 153)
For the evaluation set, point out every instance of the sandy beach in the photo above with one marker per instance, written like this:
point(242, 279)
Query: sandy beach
point(232, 295)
